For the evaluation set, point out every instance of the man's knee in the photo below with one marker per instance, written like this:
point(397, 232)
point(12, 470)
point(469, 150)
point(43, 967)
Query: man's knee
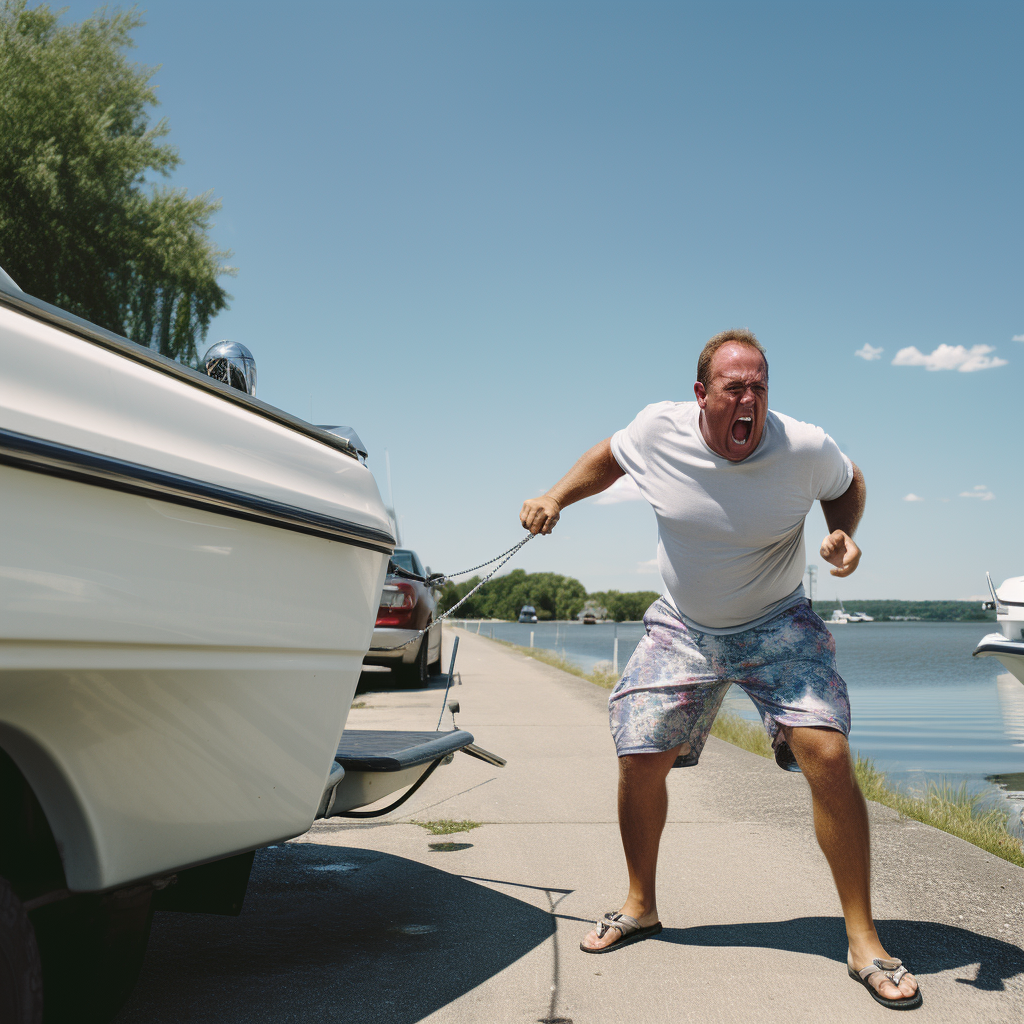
point(820, 751)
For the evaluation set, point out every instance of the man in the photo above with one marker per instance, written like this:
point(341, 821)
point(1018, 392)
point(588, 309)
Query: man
point(731, 484)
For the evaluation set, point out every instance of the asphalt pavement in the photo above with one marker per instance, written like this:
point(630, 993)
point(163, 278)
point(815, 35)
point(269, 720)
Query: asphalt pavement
point(385, 922)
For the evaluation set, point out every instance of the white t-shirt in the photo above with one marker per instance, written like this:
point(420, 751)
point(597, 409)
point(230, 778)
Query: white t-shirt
point(730, 534)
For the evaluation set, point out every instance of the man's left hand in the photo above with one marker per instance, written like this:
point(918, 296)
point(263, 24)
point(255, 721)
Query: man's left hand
point(839, 549)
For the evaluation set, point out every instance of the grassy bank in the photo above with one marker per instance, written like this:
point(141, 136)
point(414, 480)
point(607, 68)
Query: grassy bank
point(952, 810)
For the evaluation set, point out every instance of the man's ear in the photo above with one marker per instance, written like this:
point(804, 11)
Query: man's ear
point(702, 395)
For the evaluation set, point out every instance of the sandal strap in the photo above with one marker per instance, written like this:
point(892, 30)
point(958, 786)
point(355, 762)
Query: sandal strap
point(893, 969)
point(623, 922)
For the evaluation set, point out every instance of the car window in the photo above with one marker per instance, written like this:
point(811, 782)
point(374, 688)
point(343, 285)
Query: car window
point(405, 560)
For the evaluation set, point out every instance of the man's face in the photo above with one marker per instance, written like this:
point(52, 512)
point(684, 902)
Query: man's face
point(734, 405)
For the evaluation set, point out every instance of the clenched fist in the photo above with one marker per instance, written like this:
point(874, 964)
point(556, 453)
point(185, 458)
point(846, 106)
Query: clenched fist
point(839, 549)
point(539, 515)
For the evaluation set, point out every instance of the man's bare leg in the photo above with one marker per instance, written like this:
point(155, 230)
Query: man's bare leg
point(841, 825)
point(643, 808)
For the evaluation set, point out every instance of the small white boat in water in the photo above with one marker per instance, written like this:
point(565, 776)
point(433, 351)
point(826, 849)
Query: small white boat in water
point(1008, 644)
point(841, 616)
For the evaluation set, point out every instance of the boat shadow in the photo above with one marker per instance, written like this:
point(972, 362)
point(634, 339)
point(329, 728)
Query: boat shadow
point(927, 946)
point(329, 933)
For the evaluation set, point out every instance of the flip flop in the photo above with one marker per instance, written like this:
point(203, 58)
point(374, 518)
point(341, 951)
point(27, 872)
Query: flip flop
point(894, 970)
point(629, 927)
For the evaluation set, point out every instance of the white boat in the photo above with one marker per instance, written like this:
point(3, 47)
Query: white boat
point(840, 616)
point(189, 579)
point(1008, 644)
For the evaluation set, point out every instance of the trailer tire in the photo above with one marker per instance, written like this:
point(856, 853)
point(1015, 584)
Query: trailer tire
point(21, 973)
point(92, 949)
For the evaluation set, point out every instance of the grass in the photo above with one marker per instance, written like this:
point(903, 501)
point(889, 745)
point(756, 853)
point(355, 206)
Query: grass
point(604, 679)
point(951, 809)
point(447, 826)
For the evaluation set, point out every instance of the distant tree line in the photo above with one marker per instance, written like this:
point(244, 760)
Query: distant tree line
point(625, 607)
point(563, 597)
point(927, 611)
point(554, 597)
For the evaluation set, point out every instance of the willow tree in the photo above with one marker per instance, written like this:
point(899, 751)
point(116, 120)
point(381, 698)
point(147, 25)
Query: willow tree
point(81, 224)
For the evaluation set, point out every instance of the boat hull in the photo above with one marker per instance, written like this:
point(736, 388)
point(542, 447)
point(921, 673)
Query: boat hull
point(187, 589)
point(1009, 652)
point(185, 676)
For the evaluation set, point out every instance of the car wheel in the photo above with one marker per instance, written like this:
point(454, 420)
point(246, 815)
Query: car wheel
point(416, 674)
point(435, 667)
point(92, 949)
point(21, 973)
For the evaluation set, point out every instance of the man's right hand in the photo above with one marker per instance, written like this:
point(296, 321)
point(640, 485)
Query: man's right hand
point(539, 515)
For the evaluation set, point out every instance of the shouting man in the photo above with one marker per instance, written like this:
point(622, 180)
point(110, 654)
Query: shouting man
point(731, 484)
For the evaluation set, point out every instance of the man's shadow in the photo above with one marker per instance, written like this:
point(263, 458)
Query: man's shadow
point(925, 946)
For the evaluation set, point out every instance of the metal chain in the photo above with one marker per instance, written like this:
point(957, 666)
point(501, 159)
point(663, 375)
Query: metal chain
point(511, 551)
point(505, 556)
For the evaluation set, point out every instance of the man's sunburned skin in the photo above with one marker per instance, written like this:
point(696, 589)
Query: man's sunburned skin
point(734, 405)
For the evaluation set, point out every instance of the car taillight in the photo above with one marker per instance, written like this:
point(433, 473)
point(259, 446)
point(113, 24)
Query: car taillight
point(398, 595)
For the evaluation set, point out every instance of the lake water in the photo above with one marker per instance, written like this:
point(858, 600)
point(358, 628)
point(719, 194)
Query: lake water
point(923, 708)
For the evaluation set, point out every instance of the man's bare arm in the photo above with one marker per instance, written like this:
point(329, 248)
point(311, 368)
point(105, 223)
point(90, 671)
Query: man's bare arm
point(595, 471)
point(842, 515)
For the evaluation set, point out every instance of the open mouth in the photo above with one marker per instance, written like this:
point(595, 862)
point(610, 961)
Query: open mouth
point(742, 429)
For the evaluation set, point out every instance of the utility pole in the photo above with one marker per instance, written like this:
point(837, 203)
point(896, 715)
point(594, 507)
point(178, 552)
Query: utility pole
point(812, 577)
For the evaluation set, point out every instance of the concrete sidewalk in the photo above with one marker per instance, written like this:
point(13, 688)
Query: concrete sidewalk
point(385, 922)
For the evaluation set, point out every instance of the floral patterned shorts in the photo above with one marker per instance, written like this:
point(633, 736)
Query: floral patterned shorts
point(677, 678)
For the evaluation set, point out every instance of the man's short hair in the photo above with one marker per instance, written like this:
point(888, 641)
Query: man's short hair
point(741, 336)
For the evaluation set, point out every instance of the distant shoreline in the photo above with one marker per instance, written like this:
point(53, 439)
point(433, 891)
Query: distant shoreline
point(879, 610)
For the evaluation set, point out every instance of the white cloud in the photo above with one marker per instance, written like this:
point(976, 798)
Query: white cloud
point(980, 491)
point(950, 357)
point(1017, 337)
point(913, 497)
point(647, 567)
point(624, 489)
point(869, 352)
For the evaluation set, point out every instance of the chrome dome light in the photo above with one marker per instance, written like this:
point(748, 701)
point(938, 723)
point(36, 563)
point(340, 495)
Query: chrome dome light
point(232, 363)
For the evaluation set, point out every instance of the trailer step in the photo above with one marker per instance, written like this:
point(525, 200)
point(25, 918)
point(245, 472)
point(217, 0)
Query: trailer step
point(384, 750)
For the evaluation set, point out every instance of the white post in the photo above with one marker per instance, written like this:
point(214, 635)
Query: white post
point(615, 656)
point(479, 623)
point(531, 637)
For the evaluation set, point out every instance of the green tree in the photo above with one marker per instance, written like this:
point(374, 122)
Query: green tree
point(554, 596)
point(628, 607)
point(79, 224)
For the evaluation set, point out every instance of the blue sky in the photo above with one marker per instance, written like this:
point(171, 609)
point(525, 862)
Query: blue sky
point(487, 234)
